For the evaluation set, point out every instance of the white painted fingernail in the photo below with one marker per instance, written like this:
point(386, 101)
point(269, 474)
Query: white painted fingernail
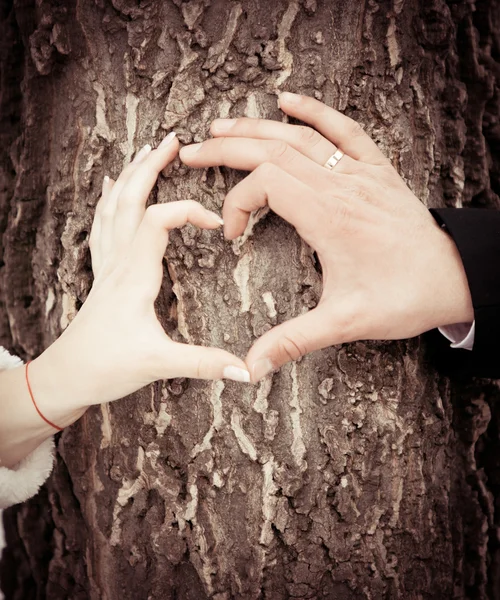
point(236, 374)
point(262, 368)
point(166, 141)
point(191, 150)
point(215, 217)
point(141, 155)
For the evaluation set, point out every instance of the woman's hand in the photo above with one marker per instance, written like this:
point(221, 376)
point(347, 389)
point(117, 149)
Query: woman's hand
point(389, 271)
point(115, 344)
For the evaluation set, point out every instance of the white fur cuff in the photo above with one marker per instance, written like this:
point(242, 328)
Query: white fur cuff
point(7, 361)
point(26, 478)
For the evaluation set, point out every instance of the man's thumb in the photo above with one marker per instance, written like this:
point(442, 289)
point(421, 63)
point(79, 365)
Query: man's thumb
point(288, 342)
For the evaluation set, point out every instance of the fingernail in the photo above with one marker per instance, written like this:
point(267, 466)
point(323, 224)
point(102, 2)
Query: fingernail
point(236, 374)
point(262, 368)
point(192, 149)
point(166, 141)
point(223, 124)
point(141, 155)
point(105, 182)
point(290, 98)
point(215, 216)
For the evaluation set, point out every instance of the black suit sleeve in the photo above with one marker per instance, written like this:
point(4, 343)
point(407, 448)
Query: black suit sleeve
point(476, 233)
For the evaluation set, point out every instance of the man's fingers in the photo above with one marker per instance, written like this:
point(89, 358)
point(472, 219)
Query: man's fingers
point(342, 131)
point(268, 184)
point(199, 362)
point(247, 154)
point(151, 238)
point(135, 191)
point(291, 340)
point(303, 139)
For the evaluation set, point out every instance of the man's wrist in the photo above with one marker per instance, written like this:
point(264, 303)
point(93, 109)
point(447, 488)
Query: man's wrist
point(457, 307)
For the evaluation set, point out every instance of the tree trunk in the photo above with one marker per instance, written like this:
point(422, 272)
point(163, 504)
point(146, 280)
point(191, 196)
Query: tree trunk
point(356, 473)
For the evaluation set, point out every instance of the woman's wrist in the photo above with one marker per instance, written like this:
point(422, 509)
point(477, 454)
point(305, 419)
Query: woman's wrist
point(22, 429)
point(54, 387)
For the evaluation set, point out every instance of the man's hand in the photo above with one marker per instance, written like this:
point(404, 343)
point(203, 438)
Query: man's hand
point(389, 271)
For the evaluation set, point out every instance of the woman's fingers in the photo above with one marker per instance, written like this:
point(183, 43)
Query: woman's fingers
point(101, 232)
point(151, 238)
point(303, 139)
point(342, 131)
point(181, 360)
point(134, 193)
point(125, 176)
point(122, 206)
point(200, 362)
point(268, 184)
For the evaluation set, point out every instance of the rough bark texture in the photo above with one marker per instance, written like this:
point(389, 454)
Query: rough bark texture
point(357, 473)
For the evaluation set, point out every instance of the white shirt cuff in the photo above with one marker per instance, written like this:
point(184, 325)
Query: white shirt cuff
point(25, 479)
point(460, 335)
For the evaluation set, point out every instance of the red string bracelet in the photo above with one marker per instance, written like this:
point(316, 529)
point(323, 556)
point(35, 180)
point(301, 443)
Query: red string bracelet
point(33, 398)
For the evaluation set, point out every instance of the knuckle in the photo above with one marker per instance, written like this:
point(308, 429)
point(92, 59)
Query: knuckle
point(265, 170)
point(292, 348)
point(356, 129)
point(347, 319)
point(203, 370)
point(308, 136)
point(353, 169)
point(342, 214)
point(191, 208)
point(225, 144)
point(358, 192)
point(127, 171)
point(126, 198)
point(255, 123)
point(278, 149)
point(239, 124)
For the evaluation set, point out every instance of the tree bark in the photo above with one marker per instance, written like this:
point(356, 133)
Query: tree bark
point(358, 472)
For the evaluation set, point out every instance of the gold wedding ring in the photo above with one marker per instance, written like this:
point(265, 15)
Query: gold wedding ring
point(333, 160)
